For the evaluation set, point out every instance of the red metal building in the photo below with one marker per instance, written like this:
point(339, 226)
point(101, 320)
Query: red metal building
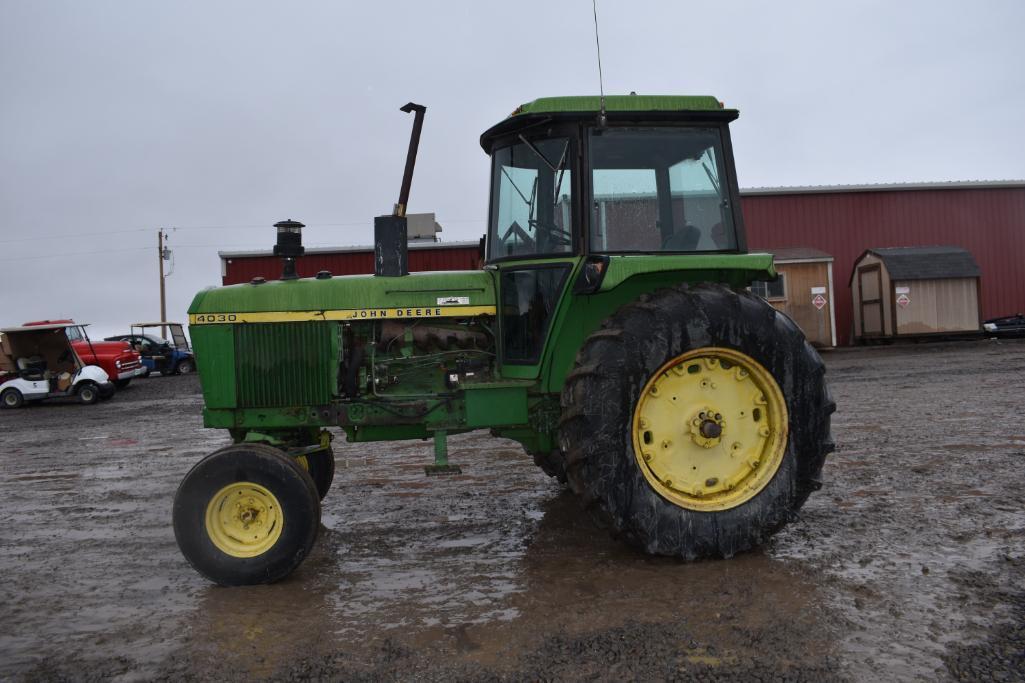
point(243, 266)
point(986, 218)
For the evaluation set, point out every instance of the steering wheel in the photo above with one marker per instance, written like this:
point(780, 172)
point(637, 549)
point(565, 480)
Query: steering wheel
point(515, 228)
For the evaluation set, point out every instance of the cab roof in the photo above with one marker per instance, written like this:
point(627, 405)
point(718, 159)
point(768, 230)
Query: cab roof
point(619, 103)
point(618, 109)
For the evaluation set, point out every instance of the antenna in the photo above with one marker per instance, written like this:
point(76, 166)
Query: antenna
point(597, 44)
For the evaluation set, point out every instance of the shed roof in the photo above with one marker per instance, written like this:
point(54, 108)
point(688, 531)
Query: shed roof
point(925, 263)
point(887, 187)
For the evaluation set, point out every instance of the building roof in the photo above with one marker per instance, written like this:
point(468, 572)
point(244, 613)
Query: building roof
point(615, 103)
point(925, 263)
point(885, 187)
point(792, 254)
point(413, 246)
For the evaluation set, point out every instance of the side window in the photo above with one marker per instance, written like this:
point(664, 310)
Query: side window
point(699, 203)
point(529, 298)
point(771, 291)
point(659, 190)
point(626, 210)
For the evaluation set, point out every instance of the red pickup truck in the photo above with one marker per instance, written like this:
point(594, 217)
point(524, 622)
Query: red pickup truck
point(120, 361)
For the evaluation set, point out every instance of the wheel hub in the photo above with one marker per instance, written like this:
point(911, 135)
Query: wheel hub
point(244, 519)
point(706, 427)
point(710, 429)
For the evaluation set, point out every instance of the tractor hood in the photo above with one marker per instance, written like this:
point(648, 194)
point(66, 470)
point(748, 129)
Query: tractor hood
point(351, 297)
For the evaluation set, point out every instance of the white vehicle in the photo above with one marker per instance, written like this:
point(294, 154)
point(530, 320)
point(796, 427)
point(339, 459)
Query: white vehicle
point(38, 362)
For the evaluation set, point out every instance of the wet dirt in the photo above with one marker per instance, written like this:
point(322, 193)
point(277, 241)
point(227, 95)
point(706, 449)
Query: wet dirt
point(909, 564)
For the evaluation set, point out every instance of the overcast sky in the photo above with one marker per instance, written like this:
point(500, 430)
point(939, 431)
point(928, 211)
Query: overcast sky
point(217, 119)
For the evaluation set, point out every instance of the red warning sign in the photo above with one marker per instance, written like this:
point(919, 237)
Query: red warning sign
point(818, 301)
point(903, 300)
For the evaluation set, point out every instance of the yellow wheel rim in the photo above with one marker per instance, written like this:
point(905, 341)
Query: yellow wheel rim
point(710, 429)
point(244, 519)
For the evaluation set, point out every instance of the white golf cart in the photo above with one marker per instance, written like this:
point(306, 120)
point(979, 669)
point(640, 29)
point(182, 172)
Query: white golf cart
point(38, 362)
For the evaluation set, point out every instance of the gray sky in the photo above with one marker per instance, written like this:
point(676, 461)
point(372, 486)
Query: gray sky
point(217, 119)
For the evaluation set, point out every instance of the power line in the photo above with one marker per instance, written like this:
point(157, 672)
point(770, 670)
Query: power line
point(74, 253)
point(66, 235)
point(72, 234)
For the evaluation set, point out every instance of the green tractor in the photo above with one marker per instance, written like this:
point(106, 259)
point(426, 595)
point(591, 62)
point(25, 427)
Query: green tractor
point(610, 332)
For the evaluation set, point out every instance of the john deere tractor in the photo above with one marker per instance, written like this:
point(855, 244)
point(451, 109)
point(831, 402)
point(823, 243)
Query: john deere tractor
point(610, 332)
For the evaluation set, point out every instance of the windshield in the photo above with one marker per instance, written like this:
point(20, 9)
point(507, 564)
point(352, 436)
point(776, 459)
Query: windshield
point(660, 189)
point(75, 333)
point(531, 199)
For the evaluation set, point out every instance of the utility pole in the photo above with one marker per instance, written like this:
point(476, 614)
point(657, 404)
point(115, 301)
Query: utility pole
point(163, 305)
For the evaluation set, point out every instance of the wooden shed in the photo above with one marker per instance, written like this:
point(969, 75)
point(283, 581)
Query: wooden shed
point(804, 291)
point(915, 292)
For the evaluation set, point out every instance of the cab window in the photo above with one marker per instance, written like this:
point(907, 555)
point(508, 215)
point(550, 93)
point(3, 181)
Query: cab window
point(531, 209)
point(659, 190)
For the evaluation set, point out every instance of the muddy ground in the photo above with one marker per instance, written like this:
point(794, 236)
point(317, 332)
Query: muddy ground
point(909, 564)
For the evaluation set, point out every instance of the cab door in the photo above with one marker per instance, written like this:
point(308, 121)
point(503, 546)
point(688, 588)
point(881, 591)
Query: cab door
point(532, 243)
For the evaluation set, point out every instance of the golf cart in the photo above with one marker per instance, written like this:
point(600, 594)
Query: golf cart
point(172, 357)
point(38, 362)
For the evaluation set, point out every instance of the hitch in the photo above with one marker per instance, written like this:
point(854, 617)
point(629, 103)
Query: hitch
point(441, 465)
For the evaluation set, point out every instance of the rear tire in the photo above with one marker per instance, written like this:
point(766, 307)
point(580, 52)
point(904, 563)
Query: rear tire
point(246, 514)
point(553, 464)
point(664, 340)
point(88, 393)
point(12, 398)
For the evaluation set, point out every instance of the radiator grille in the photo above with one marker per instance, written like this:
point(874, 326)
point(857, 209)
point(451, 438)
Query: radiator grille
point(285, 364)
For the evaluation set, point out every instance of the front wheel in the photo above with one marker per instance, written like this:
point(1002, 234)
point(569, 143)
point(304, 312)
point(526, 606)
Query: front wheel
point(11, 398)
point(185, 367)
point(88, 393)
point(696, 421)
point(321, 466)
point(246, 514)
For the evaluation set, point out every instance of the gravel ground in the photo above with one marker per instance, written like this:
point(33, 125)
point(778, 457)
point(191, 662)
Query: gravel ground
point(909, 564)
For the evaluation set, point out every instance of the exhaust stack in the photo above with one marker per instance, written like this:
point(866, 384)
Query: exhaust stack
point(391, 241)
point(289, 246)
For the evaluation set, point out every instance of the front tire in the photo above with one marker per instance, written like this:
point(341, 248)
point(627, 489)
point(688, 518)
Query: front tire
point(246, 514)
point(696, 421)
point(12, 398)
point(88, 393)
point(321, 467)
point(185, 367)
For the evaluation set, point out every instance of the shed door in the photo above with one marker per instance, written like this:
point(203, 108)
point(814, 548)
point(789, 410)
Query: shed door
point(870, 285)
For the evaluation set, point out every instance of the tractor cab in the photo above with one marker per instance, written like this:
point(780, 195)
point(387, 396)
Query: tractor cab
point(589, 192)
point(637, 177)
